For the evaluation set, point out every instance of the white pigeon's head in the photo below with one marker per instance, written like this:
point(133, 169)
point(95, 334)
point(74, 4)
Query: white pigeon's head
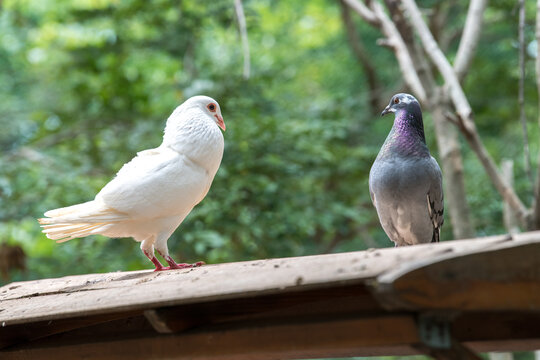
point(207, 105)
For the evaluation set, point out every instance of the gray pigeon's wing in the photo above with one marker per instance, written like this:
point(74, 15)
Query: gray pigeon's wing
point(435, 200)
point(372, 195)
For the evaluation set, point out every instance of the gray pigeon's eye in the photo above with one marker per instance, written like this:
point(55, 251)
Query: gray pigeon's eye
point(211, 107)
point(396, 101)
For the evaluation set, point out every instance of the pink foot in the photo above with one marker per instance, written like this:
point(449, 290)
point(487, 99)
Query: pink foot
point(173, 265)
point(155, 261)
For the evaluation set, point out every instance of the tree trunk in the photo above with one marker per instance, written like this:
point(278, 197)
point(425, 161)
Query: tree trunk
point(509, 217)
point(453, 179)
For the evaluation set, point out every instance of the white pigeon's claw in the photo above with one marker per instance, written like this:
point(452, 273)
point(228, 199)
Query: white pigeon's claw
point(153, 193)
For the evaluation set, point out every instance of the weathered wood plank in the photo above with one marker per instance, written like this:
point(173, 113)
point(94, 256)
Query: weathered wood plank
point(93, 294)
point(352, 304)
point(501, 278)
point(344, 300)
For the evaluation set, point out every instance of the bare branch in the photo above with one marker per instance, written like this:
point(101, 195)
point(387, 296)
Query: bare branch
point(421, 63)
point(243, 34)
point(438, 23)
point(469, 38)
point(361, 9)
point(450, 116)
point(439, 59)
point(521, 93)
point(463, 109)
point(403, 56)
point(385, 43)
point(363, 59)
point(393, 40)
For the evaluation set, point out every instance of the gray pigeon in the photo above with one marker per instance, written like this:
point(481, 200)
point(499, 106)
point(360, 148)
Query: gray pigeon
point(405, 181)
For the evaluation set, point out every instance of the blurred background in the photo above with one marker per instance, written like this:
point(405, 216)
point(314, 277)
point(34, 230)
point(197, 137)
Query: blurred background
point(86, 84)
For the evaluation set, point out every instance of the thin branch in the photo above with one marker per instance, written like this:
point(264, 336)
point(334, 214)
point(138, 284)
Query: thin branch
point(377, 17)
point(450, 116)
point(439, 59)
point(439, 20)
point(403, 56)
point(363, 59)
point(421, 63)
point(244, 35)
point(463, 109)
point(521, 93)
point(469, 38)
point(361, 9)
point(536, 216)
point(438, 23)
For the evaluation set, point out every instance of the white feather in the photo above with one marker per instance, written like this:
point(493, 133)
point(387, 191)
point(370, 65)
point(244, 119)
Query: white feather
point(153, 193)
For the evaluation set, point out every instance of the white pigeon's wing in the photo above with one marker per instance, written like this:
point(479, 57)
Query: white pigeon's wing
point(154, 151)
point(156, 183)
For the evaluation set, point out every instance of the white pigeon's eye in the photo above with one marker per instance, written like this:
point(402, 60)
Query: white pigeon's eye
point(211, 107)
point(396, 100)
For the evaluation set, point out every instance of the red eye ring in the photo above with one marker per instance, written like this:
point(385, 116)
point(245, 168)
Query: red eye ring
point(211, 107)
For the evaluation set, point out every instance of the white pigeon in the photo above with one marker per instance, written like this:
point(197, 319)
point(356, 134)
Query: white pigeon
point(153, 193)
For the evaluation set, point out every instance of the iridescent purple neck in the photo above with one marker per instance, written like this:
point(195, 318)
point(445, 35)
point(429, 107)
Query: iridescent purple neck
point(409, 124)
point(407, 136)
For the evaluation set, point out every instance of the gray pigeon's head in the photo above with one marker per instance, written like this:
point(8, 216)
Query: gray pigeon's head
point(402, 101)
point(408, 115)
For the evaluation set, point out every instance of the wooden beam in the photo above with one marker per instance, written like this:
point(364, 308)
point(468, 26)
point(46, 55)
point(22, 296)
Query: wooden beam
point(25, 333)
point(266, 340)
point(500, 278)
point(336, 336)
point(347, 300)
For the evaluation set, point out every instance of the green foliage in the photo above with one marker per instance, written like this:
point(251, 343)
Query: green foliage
point(86, 84)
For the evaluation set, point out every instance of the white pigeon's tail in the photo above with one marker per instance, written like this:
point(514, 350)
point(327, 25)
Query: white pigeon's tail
point(79, 220)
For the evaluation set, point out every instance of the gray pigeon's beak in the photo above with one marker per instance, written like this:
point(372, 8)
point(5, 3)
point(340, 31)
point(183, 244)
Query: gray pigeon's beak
point(386, 110)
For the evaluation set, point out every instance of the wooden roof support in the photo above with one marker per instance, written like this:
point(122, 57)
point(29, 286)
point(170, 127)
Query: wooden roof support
point(484, 294)
point(438, 341)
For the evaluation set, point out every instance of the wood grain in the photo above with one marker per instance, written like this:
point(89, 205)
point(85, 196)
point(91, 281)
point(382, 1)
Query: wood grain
point(351, 304)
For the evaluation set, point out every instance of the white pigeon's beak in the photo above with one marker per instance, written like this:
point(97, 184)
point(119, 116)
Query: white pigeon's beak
point(220, 122)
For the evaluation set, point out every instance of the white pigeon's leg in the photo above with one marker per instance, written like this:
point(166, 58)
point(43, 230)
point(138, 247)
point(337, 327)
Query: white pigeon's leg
point(147, 247)
point(163, 250)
